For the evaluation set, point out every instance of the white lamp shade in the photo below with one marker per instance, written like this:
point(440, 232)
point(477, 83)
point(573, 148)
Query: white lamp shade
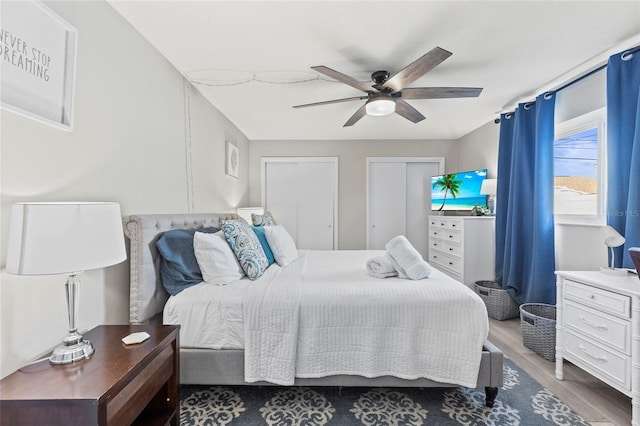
point(612, 238)
point(489, 187)
point(55, 238)
point(380, 107)
point(246, 212)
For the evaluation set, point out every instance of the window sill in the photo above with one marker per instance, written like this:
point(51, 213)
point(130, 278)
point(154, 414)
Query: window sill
point(580, 220)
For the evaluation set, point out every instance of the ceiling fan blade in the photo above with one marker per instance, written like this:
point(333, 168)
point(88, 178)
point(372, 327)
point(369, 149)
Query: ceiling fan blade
point(357, 116)
point(417, 69)
point(335, 101)
point(440, 92)
point(408, 112)
point(345, 79)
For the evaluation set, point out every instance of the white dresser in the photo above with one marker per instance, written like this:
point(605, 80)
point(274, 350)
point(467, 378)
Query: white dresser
point(598, 329)
point(463, 247)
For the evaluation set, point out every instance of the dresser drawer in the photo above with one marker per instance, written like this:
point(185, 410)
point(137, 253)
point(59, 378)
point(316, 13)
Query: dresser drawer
point(438, 223)
point(452, 249)
point(452, 236)
point(610, 366)
point(442, 260)
point(455, 224)
point(601, 300)
point(437, 233)
point(606, 329)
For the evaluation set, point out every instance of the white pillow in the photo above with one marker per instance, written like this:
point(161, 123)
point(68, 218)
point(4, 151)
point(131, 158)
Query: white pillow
point(282, 245)
point(217, 262)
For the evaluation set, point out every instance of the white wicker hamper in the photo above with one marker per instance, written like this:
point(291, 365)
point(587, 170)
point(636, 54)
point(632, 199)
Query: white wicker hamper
point(500, 305)
point(538, 325)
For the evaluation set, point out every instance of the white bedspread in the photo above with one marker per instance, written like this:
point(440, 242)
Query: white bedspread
point(323, 315)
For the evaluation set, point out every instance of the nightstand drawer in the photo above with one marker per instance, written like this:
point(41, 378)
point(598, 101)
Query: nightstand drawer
point(128, 403)
point(610, 366)
point(601, 300)
point(606, 329)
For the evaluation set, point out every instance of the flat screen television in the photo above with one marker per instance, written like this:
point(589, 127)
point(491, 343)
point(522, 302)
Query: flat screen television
point(458, 191)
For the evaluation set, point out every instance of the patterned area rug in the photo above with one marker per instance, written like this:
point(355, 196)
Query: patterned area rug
point(521, 401)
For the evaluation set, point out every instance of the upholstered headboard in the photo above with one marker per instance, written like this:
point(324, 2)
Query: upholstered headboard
point(147, 296)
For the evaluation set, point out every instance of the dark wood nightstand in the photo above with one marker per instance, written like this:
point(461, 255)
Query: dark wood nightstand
point(118, 385)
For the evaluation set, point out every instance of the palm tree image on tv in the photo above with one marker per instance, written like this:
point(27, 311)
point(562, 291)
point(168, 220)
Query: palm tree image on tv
point(447, 184)
point(458, 191)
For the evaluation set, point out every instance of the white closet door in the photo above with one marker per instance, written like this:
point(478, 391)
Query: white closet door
point(387, 206)
point(301, 192)
point(398, 200)
point(419, 204)
point(316, 191)
point(281, 194)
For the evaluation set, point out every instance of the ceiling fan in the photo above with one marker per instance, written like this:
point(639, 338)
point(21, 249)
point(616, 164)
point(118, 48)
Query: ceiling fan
point(388, 93)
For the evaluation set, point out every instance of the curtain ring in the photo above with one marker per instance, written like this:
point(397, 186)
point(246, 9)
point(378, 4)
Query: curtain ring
point(548, 95)
point(528, 105)
point(508, 115)
point(627, 55)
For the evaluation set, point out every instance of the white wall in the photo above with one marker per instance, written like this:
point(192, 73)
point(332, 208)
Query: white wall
point(352, 156)
point(479, 149)
point(141, 137)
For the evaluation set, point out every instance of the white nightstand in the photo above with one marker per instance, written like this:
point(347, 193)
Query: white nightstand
point(598, 329)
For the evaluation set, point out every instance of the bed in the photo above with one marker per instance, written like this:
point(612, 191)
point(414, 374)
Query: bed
point(224, 363)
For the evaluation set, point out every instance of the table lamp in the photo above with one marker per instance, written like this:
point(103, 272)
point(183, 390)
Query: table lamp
point(65, 238)
point(489, 187)
point(612, 239)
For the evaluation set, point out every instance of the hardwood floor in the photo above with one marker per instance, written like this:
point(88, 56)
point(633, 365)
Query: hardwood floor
point(595, 401)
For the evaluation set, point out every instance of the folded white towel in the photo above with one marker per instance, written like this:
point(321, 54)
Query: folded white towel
point(406, 259)
point(381, 267)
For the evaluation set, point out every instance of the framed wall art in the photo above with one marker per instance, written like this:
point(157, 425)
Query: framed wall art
point(38, 68)
point(233, 160)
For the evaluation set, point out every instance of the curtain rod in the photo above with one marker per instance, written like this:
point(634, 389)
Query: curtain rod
point(626, 53)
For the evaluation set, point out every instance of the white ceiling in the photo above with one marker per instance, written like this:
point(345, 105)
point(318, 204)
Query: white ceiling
point(248, 58)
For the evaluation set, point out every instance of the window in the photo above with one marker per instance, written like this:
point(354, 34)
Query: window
point(579, 182)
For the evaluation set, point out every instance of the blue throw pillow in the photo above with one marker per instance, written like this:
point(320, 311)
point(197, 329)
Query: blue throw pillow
point(245, 245)
point(178, 265)
point(262, 238)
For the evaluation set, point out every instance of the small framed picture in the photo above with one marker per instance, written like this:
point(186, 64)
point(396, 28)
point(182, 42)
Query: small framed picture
point(233, 160)
point(39, 62)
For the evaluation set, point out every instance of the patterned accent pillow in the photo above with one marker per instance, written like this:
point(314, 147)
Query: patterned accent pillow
point(263, 219)
point(245, 245)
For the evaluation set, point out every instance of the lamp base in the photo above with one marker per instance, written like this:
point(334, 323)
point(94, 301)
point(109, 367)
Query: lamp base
point(73, 348)
point(614, 271)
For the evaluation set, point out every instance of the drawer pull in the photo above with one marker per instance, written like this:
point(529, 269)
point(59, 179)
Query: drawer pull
point(450, 249)
point(599, 358)
point(450, 236)
point(592, 296)
point(589, 323)
point(453, 225)
point(450, 263)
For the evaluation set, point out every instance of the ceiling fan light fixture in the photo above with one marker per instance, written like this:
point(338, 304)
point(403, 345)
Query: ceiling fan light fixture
point(380, 106)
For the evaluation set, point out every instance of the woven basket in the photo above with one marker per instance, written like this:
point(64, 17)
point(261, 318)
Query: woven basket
point(538, 324)
point(499, 304)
